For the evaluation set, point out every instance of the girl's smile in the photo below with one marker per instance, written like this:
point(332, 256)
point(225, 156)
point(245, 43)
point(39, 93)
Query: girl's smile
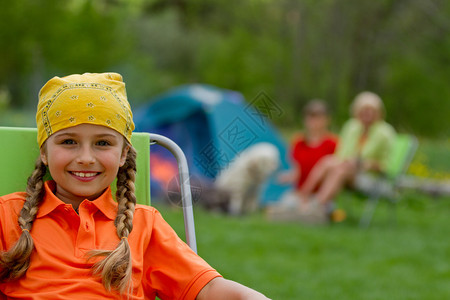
point(85, 175)
point(83, 160)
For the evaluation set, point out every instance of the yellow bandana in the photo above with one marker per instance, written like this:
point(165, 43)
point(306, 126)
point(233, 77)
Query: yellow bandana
point(98, 99)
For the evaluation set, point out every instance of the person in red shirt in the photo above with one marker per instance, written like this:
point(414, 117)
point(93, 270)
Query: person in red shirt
point(307, 150)
point(311, 146)
point(68, 238)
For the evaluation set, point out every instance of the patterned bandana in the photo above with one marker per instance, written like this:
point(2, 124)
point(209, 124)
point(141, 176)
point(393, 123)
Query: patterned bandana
point(98, 99)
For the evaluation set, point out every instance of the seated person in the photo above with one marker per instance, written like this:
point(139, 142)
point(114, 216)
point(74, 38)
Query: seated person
point(308, 148)
point(311, 146)
point(364, 145)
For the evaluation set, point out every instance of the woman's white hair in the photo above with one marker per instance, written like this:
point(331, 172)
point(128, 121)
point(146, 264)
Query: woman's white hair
point(367, 99)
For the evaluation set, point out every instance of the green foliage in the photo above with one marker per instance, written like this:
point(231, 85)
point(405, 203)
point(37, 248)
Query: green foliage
point(293, 50)
point(40, 39)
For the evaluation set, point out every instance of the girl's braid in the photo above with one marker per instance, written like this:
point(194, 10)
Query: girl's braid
point(115, 269)
point(125, 196)
point(14, 263)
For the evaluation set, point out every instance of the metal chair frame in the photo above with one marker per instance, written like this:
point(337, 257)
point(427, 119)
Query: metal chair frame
point(377, 192)
point(185, 186)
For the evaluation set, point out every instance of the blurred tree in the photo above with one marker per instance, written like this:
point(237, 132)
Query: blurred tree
point(43, 38)
point(293, 50)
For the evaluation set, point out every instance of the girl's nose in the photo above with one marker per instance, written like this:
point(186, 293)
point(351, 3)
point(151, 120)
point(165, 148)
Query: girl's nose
point(86, 156)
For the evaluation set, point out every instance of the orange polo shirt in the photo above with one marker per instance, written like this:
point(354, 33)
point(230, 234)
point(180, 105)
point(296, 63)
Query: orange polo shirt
point(163, 265)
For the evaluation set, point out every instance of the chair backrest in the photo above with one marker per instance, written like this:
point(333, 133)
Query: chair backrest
point(19, 151)
point(402, 153)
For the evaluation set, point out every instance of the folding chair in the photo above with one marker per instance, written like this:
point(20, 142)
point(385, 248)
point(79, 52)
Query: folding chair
point(19, 152)
point(386, 184)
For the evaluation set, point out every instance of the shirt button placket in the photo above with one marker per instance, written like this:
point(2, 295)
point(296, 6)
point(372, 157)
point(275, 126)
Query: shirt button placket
point(86, 233)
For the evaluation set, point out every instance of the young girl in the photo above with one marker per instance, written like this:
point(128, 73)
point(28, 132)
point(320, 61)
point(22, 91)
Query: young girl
point(67, 238)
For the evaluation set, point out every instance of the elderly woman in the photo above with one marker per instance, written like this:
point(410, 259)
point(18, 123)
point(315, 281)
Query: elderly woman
point(364, 146)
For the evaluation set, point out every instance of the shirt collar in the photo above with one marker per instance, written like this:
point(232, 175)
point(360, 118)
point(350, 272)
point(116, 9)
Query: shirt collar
point(105, 203)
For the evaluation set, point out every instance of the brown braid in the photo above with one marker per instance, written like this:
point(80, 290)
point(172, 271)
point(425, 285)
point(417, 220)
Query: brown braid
point(115, 269)
point(14, 263)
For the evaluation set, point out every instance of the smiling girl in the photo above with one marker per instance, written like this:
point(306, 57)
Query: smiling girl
point(68, 238)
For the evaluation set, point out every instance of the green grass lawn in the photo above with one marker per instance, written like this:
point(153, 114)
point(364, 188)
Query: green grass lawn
point(405, 259)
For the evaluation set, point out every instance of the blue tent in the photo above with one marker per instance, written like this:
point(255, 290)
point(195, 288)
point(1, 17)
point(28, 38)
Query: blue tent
point(211, 126)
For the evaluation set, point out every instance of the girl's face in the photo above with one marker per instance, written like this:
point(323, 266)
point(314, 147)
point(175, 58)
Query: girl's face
point(83, 160)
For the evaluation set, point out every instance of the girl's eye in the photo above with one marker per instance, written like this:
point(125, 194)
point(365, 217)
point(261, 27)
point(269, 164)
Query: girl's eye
point(103, 143)
point(68, 142)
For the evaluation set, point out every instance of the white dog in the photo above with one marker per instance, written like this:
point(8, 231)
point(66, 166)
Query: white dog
point(243, 178)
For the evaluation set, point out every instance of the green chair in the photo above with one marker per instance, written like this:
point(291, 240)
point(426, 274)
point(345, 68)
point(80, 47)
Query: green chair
point(385, 185)
point(19, 152)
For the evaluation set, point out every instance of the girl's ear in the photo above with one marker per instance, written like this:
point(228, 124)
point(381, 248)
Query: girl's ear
point(43, 156)
point(123, 156)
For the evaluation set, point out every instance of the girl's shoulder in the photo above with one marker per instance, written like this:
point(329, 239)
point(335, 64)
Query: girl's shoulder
point(147, 220)
point(145, 213)
point(11, 204)
point(146, 209)
point(11, 199)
